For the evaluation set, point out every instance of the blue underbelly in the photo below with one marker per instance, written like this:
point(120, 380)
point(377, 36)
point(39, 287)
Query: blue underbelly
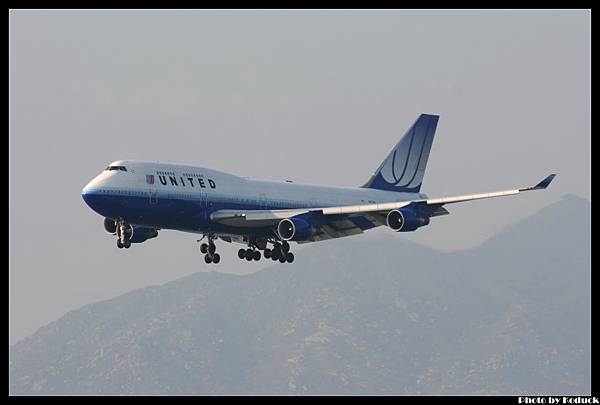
point(168, 213)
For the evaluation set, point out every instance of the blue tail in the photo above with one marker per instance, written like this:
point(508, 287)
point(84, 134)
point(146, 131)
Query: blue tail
point(404, 168)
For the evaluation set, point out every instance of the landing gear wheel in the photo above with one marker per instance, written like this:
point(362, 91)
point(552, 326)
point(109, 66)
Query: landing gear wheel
point(204, 248)
point(249, 257)
point(289, 257)
point(119, 244)
point(282, 259)
point(242, 253)
point(285, 247)
point(212, 248)
point(267, 253)
point(275, 254)
point(207, 258)
point(250, 253)
point(126, 244)
point(256, 255)
point(216, 258)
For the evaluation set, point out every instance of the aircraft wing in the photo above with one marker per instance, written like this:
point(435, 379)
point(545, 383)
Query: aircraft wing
point(354, 219)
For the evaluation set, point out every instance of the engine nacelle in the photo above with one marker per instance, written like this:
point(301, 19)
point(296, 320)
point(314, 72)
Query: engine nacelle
point(294, 229)
point(110, 226)
point(405, 220)
point(140, 234)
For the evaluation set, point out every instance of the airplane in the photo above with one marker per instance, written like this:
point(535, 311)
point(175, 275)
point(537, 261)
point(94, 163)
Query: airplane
point(138, 198)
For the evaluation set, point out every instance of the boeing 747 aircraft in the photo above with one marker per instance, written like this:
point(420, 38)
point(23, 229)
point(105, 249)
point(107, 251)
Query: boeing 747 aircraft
point(137, 199)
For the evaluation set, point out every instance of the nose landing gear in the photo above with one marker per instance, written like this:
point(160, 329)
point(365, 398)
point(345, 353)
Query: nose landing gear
point(123, 234)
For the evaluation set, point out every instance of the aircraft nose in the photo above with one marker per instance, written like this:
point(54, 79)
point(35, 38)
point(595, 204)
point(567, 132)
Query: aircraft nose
point(91, 193)
point(87, 193)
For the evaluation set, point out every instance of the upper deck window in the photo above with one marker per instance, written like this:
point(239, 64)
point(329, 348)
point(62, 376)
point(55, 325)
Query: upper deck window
point(121, 168)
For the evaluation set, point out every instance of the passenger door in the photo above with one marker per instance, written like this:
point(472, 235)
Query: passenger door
point(202, 200)
point(263, 201)
point(152, 194)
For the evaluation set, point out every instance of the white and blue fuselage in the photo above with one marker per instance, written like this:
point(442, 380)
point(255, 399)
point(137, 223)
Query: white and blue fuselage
point(183, 197)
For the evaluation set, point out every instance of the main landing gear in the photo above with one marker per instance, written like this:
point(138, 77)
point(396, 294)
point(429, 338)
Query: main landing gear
point(209, 249)
point(249, 254)
point(123, 235)
point(280, 251)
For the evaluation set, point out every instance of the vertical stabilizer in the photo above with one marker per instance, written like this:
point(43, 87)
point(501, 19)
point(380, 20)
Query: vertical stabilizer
point(404, 167)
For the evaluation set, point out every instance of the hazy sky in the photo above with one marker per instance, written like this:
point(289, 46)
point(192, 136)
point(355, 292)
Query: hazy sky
point(312, 96)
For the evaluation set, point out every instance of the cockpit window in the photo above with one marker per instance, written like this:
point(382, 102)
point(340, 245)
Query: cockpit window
point(121, 168)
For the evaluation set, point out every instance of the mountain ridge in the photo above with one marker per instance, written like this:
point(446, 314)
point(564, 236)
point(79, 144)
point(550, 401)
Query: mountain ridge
point(349, 319)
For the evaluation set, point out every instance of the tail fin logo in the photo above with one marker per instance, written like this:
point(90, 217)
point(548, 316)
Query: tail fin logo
point(404, 168)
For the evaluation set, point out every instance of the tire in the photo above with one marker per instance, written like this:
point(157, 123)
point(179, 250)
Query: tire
point(282, 259)
point(127, 244)
point(211, 249)
point(275, 254)
point(207, 258)
point(119, 244)
point(285, 247)
point(267, 253)
point(242, 253)
point(204, 248)
point(216, 258)
point(249, 257)
point(256, 255)
point(289, 257)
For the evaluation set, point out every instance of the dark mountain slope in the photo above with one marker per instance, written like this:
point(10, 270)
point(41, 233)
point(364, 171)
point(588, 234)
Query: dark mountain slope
point(349, 317)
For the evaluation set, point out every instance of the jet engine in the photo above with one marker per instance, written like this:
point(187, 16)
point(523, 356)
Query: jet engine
point(405, 220)
point(140, 234)
point(294, 229)
point(110, 226)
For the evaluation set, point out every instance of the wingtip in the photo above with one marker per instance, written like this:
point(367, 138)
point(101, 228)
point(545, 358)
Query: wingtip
point(545, 183)
point(542, 185)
